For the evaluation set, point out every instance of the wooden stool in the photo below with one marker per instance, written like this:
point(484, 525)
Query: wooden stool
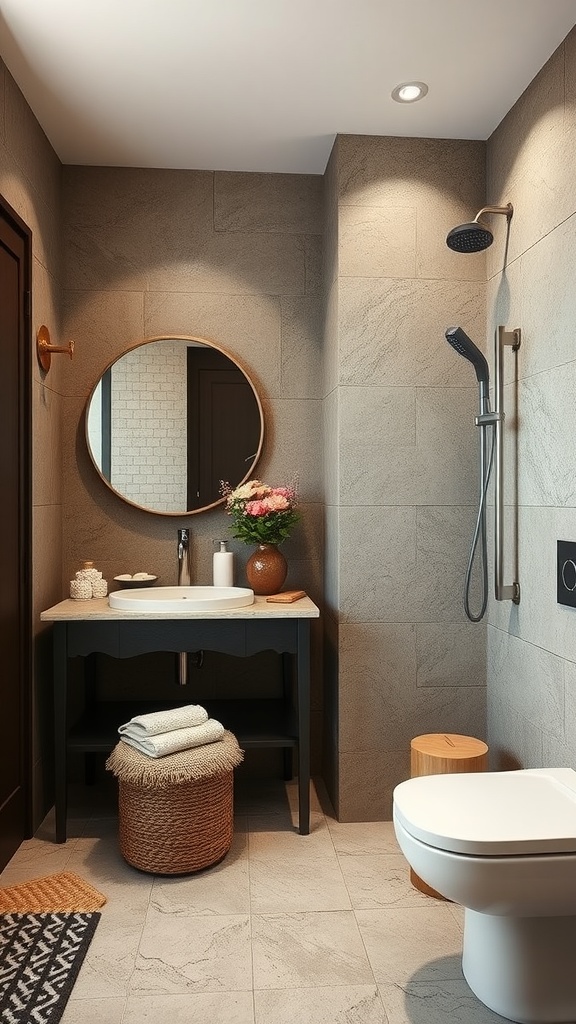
point(444, 753)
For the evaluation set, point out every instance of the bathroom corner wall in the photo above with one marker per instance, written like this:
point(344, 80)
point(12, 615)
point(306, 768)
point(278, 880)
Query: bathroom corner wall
point(532, 647)
point(401, 483)
point(30, 180)
point(232, 257)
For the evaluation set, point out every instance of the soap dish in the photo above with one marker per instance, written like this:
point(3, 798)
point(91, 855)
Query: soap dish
point(128, 582)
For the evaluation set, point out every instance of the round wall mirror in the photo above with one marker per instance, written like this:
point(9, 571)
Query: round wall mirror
point(171, 418)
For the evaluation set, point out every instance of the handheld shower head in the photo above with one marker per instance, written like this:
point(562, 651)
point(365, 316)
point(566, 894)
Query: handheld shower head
point(462, 344)
point(475, 236)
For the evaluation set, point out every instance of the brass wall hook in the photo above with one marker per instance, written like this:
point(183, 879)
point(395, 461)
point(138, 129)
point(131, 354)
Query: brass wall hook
point(44, 349)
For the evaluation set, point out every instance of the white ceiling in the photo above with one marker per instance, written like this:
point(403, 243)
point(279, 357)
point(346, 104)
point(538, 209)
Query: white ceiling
point(264, 85)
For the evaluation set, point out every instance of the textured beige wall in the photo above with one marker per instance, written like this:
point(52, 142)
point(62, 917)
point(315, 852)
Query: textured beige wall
point(235, 258)
point(402, 485)
point(532, 647)
point(30, 177)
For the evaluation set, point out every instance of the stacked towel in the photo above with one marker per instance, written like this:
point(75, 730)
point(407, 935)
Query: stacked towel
point(164, 721)
point(165, 732)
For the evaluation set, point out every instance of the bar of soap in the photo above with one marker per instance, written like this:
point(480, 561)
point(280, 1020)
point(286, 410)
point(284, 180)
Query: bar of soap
point(287, 597)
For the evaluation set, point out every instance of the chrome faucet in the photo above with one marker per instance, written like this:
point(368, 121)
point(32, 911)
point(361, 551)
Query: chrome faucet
point(184, 575)
point(184, 579)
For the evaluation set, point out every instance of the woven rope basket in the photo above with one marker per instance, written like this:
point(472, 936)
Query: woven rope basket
point(176, 812)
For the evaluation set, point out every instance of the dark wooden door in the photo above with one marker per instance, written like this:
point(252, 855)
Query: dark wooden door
point(15, 532)
point(223, 425)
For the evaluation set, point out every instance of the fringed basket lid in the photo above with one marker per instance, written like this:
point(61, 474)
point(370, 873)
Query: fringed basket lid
point(129, 765)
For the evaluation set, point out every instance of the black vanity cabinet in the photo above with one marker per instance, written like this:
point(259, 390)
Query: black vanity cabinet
point(81, 629)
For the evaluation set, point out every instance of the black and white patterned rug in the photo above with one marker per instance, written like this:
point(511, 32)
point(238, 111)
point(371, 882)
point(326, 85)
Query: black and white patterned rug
point(40, 957)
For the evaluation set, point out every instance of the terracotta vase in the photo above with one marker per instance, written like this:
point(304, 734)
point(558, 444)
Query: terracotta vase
point(266, 570)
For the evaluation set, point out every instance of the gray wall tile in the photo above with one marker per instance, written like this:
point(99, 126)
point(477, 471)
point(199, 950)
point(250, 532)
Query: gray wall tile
point(278, 203)
point(392, 332)
point(531, 647)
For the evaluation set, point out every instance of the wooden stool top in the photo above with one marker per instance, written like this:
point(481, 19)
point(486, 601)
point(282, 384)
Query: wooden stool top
point(448, 745)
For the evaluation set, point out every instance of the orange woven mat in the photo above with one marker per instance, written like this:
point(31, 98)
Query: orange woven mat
point(65, 891)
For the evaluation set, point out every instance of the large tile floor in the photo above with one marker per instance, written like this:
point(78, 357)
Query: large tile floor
point(288, 929)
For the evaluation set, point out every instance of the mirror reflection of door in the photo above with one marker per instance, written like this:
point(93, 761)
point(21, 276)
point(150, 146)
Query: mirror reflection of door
point(169, 420)
point(218, 396)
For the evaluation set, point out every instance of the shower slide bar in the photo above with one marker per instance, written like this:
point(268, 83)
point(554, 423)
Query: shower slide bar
point(502, 592)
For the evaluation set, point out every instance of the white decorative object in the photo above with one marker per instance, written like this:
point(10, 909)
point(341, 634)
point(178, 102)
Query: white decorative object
point(80, 590)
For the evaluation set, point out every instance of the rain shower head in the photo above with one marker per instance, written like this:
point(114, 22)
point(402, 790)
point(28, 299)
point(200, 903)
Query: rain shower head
point(475, 236)
point(462, 344)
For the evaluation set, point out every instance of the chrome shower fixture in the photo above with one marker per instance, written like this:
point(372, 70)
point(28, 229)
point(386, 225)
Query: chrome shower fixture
point(476, 236)
point(464, 346)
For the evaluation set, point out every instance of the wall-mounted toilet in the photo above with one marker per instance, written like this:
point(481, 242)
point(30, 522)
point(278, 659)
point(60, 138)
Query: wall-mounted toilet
point(503, 844)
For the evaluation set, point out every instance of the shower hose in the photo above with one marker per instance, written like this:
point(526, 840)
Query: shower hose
point(479, 536)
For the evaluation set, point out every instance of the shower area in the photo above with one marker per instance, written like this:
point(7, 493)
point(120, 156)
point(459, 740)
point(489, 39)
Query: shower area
point(402, 475)
point(402, 480)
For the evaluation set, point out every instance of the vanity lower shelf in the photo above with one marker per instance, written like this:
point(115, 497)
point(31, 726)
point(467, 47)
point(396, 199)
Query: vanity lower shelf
point(79, 632)
point(255, 723)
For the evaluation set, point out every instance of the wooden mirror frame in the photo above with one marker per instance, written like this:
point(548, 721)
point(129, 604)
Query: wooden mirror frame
point(196, 341)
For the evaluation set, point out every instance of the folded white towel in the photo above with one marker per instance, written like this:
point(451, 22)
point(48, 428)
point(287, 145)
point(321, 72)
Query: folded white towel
point(165, 721)
point(179, 739)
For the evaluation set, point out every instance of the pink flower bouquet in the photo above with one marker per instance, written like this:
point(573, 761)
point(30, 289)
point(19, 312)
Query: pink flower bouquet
point(261, 514)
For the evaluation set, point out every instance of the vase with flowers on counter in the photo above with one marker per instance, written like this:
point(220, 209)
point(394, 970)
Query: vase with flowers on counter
point(265, 516)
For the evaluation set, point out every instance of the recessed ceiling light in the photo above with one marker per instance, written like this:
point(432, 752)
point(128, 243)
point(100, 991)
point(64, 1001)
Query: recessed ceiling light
point(409, 92)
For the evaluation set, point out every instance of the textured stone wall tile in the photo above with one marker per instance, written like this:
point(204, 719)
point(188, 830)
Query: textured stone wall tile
point(126, 226)
point(46, 309)
point(531, 678)
point(330, 339)
point(570, 80)
point(376, 170)
point(377, 705)
point(377, 563)
point(443, 538)
point(103, 325)
point(46, 453)
point(548, 300)
point(546, 455)
point(393, 332)
point(451, 654)
point(408, 446)
point(366, 782)
point(313, 263)
point(530, 163)
point(332, 558)
point(278, 203)
point(377, 453)
point(301, 333)
point(377, 241)
point(513, 742)
point(293, 446)
point(230, 264)
point(30, 148)
point(47, 545)
point(43, 220)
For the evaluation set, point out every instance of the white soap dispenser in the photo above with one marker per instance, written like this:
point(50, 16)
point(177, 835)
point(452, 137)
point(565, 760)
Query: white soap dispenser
point(222, 566)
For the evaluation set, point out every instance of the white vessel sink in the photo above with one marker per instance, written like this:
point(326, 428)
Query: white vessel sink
point(181, 599)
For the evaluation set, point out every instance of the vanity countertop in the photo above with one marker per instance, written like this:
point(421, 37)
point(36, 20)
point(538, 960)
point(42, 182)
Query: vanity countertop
point(99, 609)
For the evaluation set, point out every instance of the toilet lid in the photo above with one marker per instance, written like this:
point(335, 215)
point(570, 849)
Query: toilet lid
point(492, 813)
